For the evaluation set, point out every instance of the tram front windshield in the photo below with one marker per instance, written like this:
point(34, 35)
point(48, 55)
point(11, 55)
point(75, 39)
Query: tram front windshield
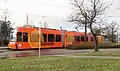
point(13, 36)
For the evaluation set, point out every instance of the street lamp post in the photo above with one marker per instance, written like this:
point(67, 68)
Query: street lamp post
point(39, 37)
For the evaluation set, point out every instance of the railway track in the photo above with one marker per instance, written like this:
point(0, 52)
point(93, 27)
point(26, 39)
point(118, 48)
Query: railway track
point(4, 49)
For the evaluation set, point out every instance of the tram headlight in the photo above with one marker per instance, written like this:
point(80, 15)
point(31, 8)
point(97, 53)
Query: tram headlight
point(12, 42)
point(19, 45)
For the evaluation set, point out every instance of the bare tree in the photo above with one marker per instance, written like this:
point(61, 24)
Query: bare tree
point(6, 27)
point(4, 16)
point(111, 31)
point(77, 18)
point(88, 13)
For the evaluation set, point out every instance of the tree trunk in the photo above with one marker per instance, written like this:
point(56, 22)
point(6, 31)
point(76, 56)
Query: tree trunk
point(96, 44)
point(85, 33)
point(112, 35)
point(95, 39)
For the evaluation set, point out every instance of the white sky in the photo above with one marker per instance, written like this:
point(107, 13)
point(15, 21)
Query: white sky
point(54, 11)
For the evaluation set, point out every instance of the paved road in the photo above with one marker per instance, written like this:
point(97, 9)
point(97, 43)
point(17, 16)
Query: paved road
point(4, 52)
point(1, 47)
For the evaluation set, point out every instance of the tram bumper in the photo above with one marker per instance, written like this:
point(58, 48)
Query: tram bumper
point(12, 46)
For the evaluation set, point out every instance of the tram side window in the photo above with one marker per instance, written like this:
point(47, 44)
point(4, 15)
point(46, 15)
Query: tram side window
point(92, 39)
point(19, 37)
point(58, 38)
point(78, 38)
point(25, 37)
point(50, 37)
point(82, 38)
point(87, 38)
point(45, 37)
point(75, 38)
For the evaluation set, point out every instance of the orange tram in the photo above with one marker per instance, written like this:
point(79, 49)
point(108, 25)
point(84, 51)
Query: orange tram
point(33, 37)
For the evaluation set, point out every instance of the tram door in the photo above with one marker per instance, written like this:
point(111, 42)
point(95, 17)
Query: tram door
point(25, 43)
point(19, 40)
point(34, 39)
